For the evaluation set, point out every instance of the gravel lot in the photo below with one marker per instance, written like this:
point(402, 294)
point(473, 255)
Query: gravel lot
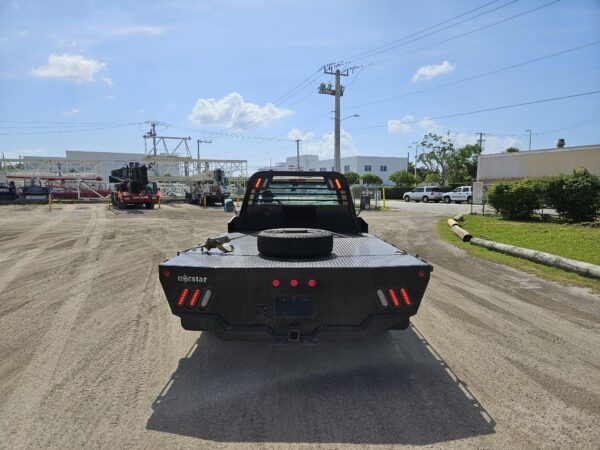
point(90, 355)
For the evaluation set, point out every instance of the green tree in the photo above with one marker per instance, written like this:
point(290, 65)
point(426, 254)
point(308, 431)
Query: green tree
point(403, 178)
point(512, 150)
point(438, 155)
point(352, 177)
point(432, 178)
point(466, 163)
point(371, 179)
point(441, 157)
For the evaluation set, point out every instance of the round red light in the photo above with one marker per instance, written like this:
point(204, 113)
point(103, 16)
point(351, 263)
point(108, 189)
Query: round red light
point(275, 282)
point(312, 283)
point(422, 273)
point(166, 273)
point(294, 283)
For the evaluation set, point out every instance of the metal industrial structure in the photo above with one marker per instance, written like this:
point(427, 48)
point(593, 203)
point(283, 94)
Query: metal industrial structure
point(168, 159)
point(173, 168)
point(72, 179)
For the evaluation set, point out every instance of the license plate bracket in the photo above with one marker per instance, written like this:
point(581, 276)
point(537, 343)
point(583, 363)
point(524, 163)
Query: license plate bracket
point(291, 307)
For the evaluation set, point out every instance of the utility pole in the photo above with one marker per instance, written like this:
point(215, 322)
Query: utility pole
point(416, 154)
point(153, 134)
point(529, 138)
point(200, 141)
point(481, 141)
point(298, 153)
point(337, 92)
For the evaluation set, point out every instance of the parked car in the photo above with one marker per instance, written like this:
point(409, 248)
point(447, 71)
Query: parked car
point(424, 194)
point(459, 195)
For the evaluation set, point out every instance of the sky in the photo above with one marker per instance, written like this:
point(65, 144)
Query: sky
point(91, 75)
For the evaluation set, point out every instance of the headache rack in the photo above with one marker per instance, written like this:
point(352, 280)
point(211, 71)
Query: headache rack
point(298, 200)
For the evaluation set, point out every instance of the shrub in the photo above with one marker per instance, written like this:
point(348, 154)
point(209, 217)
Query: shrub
point(517, 200)
point(575, 197)
point(397, 193)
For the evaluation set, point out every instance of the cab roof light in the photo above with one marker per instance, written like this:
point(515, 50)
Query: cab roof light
point(182, 297)
point(338, 184)
point(405, 297)
point(258, 183)
point(394, 298)
point(194, 298)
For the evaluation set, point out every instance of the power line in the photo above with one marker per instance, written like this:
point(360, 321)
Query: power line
point(464, 34)
point(496, 108)
point(473, 77)
point(403, 41)
point(79, 130)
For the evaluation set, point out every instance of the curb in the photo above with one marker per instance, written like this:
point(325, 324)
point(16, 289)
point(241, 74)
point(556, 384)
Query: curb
point(570, 265)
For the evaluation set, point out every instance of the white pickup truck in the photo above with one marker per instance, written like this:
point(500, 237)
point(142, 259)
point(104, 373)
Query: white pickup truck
point(459, 195)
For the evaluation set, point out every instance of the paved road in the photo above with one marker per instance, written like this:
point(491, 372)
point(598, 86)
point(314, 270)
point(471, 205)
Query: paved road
point(91, 357)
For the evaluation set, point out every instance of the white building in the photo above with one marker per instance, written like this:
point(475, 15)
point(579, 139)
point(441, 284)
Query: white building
point(383, 166)
point(538, 163)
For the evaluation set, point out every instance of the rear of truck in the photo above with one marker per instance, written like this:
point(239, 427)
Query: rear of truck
point(363, 287)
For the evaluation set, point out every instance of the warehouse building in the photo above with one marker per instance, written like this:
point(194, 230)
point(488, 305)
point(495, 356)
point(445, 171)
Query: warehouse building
point(383, 166)
point(538, 163)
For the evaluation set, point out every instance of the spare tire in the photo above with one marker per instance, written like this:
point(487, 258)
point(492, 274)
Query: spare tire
point(295, 242)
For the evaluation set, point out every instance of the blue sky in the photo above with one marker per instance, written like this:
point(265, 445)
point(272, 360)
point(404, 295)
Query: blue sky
point(85, 75)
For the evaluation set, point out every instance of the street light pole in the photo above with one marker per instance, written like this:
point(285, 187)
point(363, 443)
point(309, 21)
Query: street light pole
point(529, 138)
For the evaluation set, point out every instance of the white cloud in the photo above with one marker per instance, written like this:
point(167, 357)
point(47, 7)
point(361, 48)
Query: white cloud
point(232, 111)
point(400, 126)
point(75, 68)
point(295, 133)
point(425, 122)
point(324, 146)
point(107, 80)
point(70, 112)
point(134, 29)
point(432, 71)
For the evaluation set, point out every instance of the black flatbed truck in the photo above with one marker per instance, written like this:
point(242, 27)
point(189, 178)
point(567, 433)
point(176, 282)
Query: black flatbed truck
point(303, 268)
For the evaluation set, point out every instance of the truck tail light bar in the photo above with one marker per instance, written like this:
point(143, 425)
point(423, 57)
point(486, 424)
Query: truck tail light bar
point(194, 298)
point(182, 297)
point(397, 297)
point(198, 298)
point(405, 297)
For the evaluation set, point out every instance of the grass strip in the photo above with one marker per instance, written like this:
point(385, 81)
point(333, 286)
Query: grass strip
point(570, 241)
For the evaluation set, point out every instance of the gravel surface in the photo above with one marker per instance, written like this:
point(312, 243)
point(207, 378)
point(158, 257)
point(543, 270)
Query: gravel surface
point(90, 355)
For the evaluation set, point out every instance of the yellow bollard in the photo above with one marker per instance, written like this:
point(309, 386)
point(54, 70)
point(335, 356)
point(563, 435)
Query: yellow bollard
point(238, 201)
point(204, 200)
point(108, 201)
point(383, 194)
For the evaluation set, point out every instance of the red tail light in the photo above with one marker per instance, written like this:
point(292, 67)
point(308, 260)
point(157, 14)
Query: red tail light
point(312, 283)
point(258, 182)
point(194, 298)
point(294, 283)
point(276, 282)
point(405, 297)
point(182, 297)
point(394, 297)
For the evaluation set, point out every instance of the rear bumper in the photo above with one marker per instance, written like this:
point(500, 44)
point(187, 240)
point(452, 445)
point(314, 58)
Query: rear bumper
point(373, 325)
